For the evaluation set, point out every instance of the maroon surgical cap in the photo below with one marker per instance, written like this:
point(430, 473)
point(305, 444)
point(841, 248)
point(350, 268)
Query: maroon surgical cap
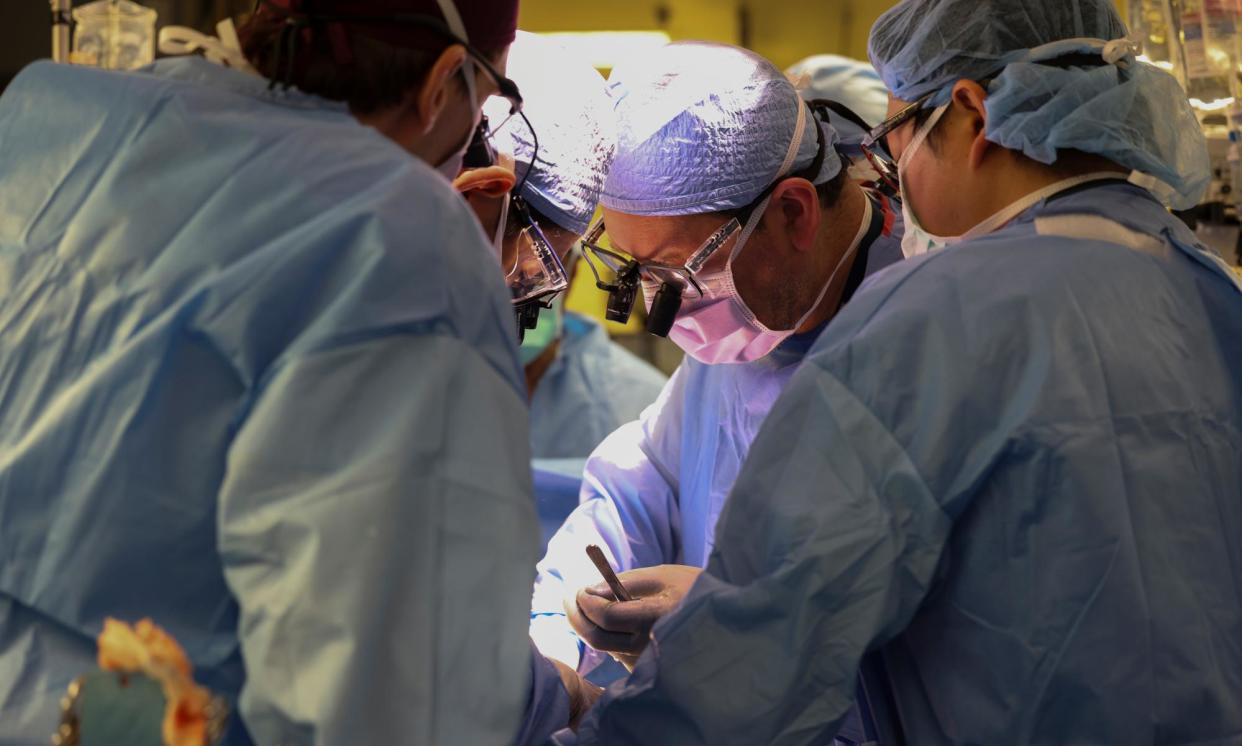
point(490, 24)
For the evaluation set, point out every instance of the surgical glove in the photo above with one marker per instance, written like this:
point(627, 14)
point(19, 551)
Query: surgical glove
point(582, 693)
point(622, 629)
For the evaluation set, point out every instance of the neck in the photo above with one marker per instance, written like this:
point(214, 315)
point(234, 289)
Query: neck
point(1013, 176)
point(838, 229)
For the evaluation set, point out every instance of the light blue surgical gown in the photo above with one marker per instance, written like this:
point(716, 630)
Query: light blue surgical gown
point(1013, 466)
point(257, 383)
point(592, 387)
point(653, 490)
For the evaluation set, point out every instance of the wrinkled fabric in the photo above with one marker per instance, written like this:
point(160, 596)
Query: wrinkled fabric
point(1026, 494)
point(704, 127)
point(567, 105)
point(593, 387)
point(851, 82)
point(557, 482)
point(1133, 114)
point(654, 489)
point(258, 382)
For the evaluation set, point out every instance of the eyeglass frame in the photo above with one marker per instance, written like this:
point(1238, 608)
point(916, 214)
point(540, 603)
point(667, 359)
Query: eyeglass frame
point(684, 273)
point(542, 245)
point(881, 158)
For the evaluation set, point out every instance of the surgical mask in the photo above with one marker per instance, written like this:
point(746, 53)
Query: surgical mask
point(917, 241)
point(543, 336)
point(451, 166)
point(719, 328)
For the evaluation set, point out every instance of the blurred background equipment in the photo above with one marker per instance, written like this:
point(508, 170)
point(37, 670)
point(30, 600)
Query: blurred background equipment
point(112, 34)
point(1200, 43)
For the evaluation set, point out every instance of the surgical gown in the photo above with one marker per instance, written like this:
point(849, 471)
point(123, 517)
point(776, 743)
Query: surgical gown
point(1012, 466)
point(653, 490)
point(592, 387)
point(258, 383)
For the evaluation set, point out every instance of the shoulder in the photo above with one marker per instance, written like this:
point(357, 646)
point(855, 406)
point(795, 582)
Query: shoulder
point(950, 288)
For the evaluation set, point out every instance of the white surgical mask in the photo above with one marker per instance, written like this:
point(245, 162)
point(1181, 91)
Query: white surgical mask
point(451, 166)
point(916, 240)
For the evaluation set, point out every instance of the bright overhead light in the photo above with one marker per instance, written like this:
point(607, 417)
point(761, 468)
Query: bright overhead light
point(607, 49)
point(1162, 64)
point(1217, 105)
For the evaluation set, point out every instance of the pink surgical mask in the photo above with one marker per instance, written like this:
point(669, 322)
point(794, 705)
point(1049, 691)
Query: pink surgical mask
point(719, 328)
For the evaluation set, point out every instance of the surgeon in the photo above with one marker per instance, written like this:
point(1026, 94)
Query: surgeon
point(258, 382)
point(582, 385)
point(852, 82)
point(728, 188)
point(857, 86)
point(1010, 465)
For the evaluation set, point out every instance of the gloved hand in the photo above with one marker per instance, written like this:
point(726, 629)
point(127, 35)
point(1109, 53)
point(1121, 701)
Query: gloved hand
point(622, 629)
point(582, 693)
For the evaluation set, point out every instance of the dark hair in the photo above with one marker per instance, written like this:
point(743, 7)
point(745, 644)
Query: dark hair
point(829, 193)
point(920, 118)
point(377, 76)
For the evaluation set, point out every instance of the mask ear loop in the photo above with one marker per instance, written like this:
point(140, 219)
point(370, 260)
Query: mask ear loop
point(757, 215)
point(498, 240)
point(907, 155)
point(448, 9)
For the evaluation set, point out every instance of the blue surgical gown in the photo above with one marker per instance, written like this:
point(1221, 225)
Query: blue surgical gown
point(1012, 467)
point(653, 490)
point(592, 387)
point(258, 383)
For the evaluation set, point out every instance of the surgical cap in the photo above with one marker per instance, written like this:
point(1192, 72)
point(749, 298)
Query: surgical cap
point(850, 82)
point(706, 127)
point(567, 105)
point(489, 24)
point(1128, 112)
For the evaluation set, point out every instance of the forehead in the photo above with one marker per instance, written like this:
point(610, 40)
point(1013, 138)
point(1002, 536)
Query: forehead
point(665, 239)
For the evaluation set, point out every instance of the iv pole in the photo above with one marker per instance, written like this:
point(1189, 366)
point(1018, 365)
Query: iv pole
point(60, 29)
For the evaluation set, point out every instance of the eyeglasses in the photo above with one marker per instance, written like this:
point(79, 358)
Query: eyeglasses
point(880, 155)
point(673, 280)
point(537, 273)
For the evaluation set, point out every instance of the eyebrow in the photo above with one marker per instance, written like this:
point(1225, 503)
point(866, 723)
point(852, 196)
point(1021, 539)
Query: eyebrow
point(657, 256)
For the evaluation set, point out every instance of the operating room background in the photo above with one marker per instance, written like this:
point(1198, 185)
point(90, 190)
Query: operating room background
point(784, 31)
